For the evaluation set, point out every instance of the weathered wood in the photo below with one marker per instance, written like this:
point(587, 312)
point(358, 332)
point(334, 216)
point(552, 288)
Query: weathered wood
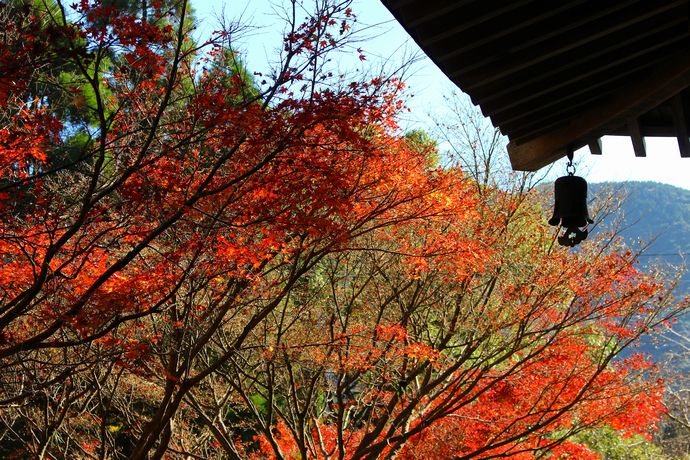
point(636, 137)
point(551, 44)
point(543, 106)
point(438, 8)
point(663, 83)
point(592, 74)
point(523, 20)
point(583, 63)
point(553, 75)
point(681, 126)
point(595, 146)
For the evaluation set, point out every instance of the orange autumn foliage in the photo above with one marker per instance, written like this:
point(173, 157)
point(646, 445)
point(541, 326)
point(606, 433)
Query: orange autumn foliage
point(197, 264)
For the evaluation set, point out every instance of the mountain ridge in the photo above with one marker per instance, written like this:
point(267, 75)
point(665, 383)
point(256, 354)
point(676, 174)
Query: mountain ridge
point(657, 216)
point(651, 212)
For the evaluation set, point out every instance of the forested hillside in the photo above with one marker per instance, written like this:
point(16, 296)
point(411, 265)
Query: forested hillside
point(657, 216)
point(655, 213)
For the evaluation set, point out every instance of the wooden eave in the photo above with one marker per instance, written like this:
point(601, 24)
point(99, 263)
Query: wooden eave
point(555, 76)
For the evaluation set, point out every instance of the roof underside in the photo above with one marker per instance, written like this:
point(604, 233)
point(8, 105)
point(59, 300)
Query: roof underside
point(557, 75)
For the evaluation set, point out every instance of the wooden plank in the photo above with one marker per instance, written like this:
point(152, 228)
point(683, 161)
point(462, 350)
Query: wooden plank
point(573, 67)
point(604, 64)
point(550, 43)
point(636, 137)
point(657, 86)
point(595, 146)
point(561, 115)
point(665, 130)
point(680, 125)
point(596, 86)
point(519, 20)
point(427, 11)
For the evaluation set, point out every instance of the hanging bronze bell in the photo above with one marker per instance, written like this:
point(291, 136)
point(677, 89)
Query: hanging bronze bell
point(570, 209)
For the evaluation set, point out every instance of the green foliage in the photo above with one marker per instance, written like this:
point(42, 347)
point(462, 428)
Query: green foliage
point(421, 141)
point(611, 445)
point(657, 216)
point(231, 72)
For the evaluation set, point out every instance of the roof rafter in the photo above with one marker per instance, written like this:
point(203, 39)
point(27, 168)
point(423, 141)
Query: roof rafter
point(558, 75)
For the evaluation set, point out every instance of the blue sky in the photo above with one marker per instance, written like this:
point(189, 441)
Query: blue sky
point(383, 40)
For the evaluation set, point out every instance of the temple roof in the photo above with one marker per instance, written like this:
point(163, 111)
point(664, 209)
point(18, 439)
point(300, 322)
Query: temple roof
point(555, 76)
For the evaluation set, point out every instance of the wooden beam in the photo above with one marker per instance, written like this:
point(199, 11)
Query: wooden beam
point(583, 64)
point(595, 146)
point(521, 19)
point(659, 130)
point(633, 100)
point(397, 4)
point(636, 137)
point(556, 41)
point(596, 85)
point(429, 12)
point(681, 126)
point(610, 65)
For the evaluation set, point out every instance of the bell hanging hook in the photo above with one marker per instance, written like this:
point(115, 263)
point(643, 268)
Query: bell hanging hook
point(570, 167)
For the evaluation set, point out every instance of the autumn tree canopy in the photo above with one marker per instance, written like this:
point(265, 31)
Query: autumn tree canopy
point(203, 262)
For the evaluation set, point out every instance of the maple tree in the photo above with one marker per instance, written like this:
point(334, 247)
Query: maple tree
point(199, 261)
